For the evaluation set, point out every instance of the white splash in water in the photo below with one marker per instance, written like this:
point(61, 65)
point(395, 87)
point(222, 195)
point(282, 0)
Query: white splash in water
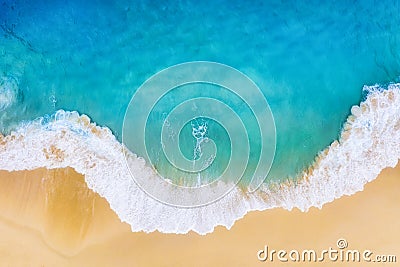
point(8, 92)
point(199, 130)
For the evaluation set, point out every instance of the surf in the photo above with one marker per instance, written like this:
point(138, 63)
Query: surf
point(368, 143)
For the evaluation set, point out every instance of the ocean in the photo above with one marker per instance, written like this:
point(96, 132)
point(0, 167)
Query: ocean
point(327, 83)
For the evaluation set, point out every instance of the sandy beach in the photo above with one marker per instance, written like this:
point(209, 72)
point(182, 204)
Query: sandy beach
point(51, 218)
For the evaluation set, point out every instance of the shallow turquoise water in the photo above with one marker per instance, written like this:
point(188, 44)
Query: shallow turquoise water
point(310, 59)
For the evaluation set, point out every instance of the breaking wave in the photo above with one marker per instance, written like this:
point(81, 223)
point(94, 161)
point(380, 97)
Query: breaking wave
point(369, 142)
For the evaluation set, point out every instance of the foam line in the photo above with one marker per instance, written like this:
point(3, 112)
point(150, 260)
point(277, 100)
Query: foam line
point(370, 142)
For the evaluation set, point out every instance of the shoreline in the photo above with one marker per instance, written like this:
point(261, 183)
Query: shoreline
point(343, 168)
point(53, 213)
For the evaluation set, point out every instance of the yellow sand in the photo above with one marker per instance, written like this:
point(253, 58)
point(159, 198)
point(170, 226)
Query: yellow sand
point(51, 218)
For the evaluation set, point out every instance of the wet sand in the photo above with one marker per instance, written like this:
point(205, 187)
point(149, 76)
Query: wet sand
point(51, 218)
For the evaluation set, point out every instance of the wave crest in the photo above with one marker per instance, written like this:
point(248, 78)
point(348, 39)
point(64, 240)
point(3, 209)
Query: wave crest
point(370, 142)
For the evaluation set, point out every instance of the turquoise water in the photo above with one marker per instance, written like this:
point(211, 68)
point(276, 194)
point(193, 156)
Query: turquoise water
point(310, 59)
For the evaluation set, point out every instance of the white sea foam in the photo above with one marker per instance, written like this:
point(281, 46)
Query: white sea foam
point(370, 141)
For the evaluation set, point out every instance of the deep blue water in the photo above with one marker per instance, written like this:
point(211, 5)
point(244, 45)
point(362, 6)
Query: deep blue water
point(309, 58)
